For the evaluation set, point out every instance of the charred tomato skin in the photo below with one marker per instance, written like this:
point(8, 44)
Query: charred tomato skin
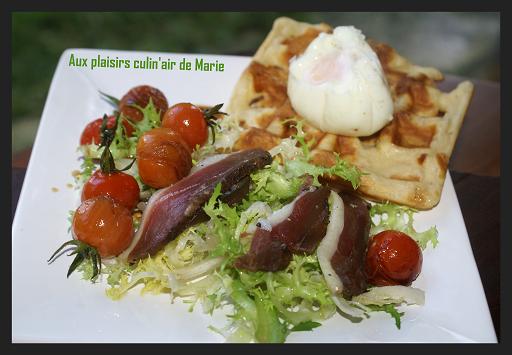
point(121, 187)
point(189, 121)
point(103, 224)
point(140, 96)
point(163, 157)
point(393, 258)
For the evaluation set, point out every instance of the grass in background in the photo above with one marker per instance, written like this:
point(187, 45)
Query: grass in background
point(38, 39)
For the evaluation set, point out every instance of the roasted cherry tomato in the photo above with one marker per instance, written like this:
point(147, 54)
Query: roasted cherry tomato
point(140, 96)
point(121, 187)
point(189, 121)
point(103, 224)
point(163, 157)
point(393, 258)
point(128, 128)
point(92, 132)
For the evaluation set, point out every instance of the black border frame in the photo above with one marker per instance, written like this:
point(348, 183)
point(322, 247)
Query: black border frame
point(298, 5)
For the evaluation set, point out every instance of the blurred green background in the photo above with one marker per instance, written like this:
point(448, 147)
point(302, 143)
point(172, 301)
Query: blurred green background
point(465, 44)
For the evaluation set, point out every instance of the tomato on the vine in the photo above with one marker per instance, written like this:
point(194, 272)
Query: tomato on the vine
point(108, 180)
point(121, 187)
point(92, 131)
point(103, 224)
point(393, 258)
point(191, 122)
point(188, 120)
point(140, 96)
point(163, 157)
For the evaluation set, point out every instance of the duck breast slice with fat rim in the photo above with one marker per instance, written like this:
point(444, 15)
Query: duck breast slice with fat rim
point(342, 252)
point(173, 209)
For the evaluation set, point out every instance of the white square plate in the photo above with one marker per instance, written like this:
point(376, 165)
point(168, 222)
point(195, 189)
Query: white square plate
point(47, 307)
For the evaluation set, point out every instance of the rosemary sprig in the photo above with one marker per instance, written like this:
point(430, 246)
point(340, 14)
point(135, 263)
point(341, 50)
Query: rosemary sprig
point(210, 117)
point(110, 99)
point(107, 163)
point(83, 252)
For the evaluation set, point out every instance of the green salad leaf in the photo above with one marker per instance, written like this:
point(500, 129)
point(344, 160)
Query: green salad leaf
point(266, 305)
point(71, 215)
point(151, 119)
point(86, 268)
point(273, 186)
point(391, 310)
point(400, 218)
point(269, 328)
point(223, 220)
point(341, 168)
point(198, 266)
point(124, 147)
point(305, 326)
point(302, 165)
point(87, 168)
point(152, 273)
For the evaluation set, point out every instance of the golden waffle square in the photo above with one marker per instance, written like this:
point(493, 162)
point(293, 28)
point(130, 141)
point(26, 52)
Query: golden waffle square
point(406, 161)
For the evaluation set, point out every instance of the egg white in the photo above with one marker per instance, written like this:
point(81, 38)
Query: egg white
point(338, 85)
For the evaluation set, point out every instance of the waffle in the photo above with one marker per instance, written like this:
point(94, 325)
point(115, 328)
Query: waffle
point(405, 162)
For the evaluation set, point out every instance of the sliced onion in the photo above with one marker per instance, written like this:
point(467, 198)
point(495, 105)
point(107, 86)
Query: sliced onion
point(206, 284)
point(174, 258)
point(284, 212)
point(173, 283)
point(196, 270)
point(346, 307)
point(197, 241)
point(329, 243)
point(211, 241)
point(265, 224)
point(257, 209)
point(200, 245)
point(391, 295)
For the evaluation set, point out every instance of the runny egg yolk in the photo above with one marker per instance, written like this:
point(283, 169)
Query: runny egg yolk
point(338, 85)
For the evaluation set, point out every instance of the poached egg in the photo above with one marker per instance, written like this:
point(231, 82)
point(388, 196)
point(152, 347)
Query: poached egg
point(338, 85)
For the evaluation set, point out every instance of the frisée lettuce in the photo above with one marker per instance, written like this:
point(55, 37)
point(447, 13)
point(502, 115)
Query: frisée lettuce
point(124, 147)
point(266, 305)
point(198, 266)
point(390, 216)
